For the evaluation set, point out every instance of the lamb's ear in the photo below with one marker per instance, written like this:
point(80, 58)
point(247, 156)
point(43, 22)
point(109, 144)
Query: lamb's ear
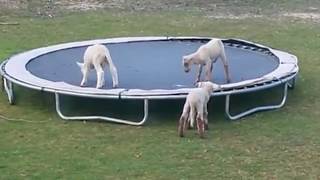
point(186, 59)
point(80, 65)
point(183, 59)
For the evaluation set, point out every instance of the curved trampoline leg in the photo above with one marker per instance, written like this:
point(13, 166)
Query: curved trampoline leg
point(292, 83)
point(8, 87)
point(104, 118)
point(256, 109)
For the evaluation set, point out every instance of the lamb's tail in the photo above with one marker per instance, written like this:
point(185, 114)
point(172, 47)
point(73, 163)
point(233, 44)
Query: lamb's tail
point(80, 64)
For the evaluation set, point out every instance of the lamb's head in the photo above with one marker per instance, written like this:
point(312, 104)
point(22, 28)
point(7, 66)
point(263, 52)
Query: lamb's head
point(209, 86)
point(186, 61)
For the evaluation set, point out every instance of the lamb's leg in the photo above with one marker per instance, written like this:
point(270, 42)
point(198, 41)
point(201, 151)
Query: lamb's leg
point(100, 76)
point(192, 116)
point(200, 121)
point(226, 66)
point(205, 117)
point(200, 66)
point(200, 124)
point(186, 124)
point(114, 75)
point(209, 67)
point(183, 119)
point(84, 78)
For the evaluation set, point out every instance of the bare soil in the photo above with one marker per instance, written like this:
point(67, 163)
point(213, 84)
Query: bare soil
point(218, 9)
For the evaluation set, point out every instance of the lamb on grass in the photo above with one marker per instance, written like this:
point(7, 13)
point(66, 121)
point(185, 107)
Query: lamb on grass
point(96, 57)
point(206, 55)
point(195, 107)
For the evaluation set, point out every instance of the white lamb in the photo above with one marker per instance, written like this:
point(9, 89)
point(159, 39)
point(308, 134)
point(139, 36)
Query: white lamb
point(96, 57)
point(196, 107)
point(206, 55)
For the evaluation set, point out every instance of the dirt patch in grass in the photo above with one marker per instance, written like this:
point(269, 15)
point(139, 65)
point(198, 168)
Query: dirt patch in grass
point(304, 16)
point(80, 5)
point(9, 4)
point(218, 9)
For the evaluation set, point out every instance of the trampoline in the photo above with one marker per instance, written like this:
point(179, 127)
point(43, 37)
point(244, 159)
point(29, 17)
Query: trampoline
point(150, 68)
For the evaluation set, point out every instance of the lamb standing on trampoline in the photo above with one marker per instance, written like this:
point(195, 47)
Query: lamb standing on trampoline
point(196, 107)
point(206, 55)
point(97, 56)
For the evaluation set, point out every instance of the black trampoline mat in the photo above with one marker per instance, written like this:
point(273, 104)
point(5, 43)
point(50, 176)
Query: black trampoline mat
point(151, 65)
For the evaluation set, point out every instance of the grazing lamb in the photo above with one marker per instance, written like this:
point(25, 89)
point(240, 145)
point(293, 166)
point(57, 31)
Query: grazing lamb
point(206, 55)
point(196, 107)
point(96, 57)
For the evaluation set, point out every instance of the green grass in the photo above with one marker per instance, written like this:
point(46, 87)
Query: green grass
point(280, 144)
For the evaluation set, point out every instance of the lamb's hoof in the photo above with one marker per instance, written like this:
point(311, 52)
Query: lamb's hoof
point(115, 86)
point(99, 87)
point(202, 136)
point(82, 85)
point(180, 133)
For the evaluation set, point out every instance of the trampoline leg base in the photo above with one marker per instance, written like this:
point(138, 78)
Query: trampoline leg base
point(8, 87)
point(292, 83)
point(104, 118)
point(256, 109)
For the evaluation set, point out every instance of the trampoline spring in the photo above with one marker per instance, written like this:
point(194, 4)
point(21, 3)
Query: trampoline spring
point(235, 45)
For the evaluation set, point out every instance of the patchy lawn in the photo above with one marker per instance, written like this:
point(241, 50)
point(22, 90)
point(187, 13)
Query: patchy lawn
point(281, 144)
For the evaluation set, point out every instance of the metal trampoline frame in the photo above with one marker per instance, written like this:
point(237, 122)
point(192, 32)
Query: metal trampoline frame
point(286, 81)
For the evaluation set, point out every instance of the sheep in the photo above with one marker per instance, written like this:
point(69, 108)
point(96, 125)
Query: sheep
point(196, 107)
point(206, 55)
point(96, 57)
